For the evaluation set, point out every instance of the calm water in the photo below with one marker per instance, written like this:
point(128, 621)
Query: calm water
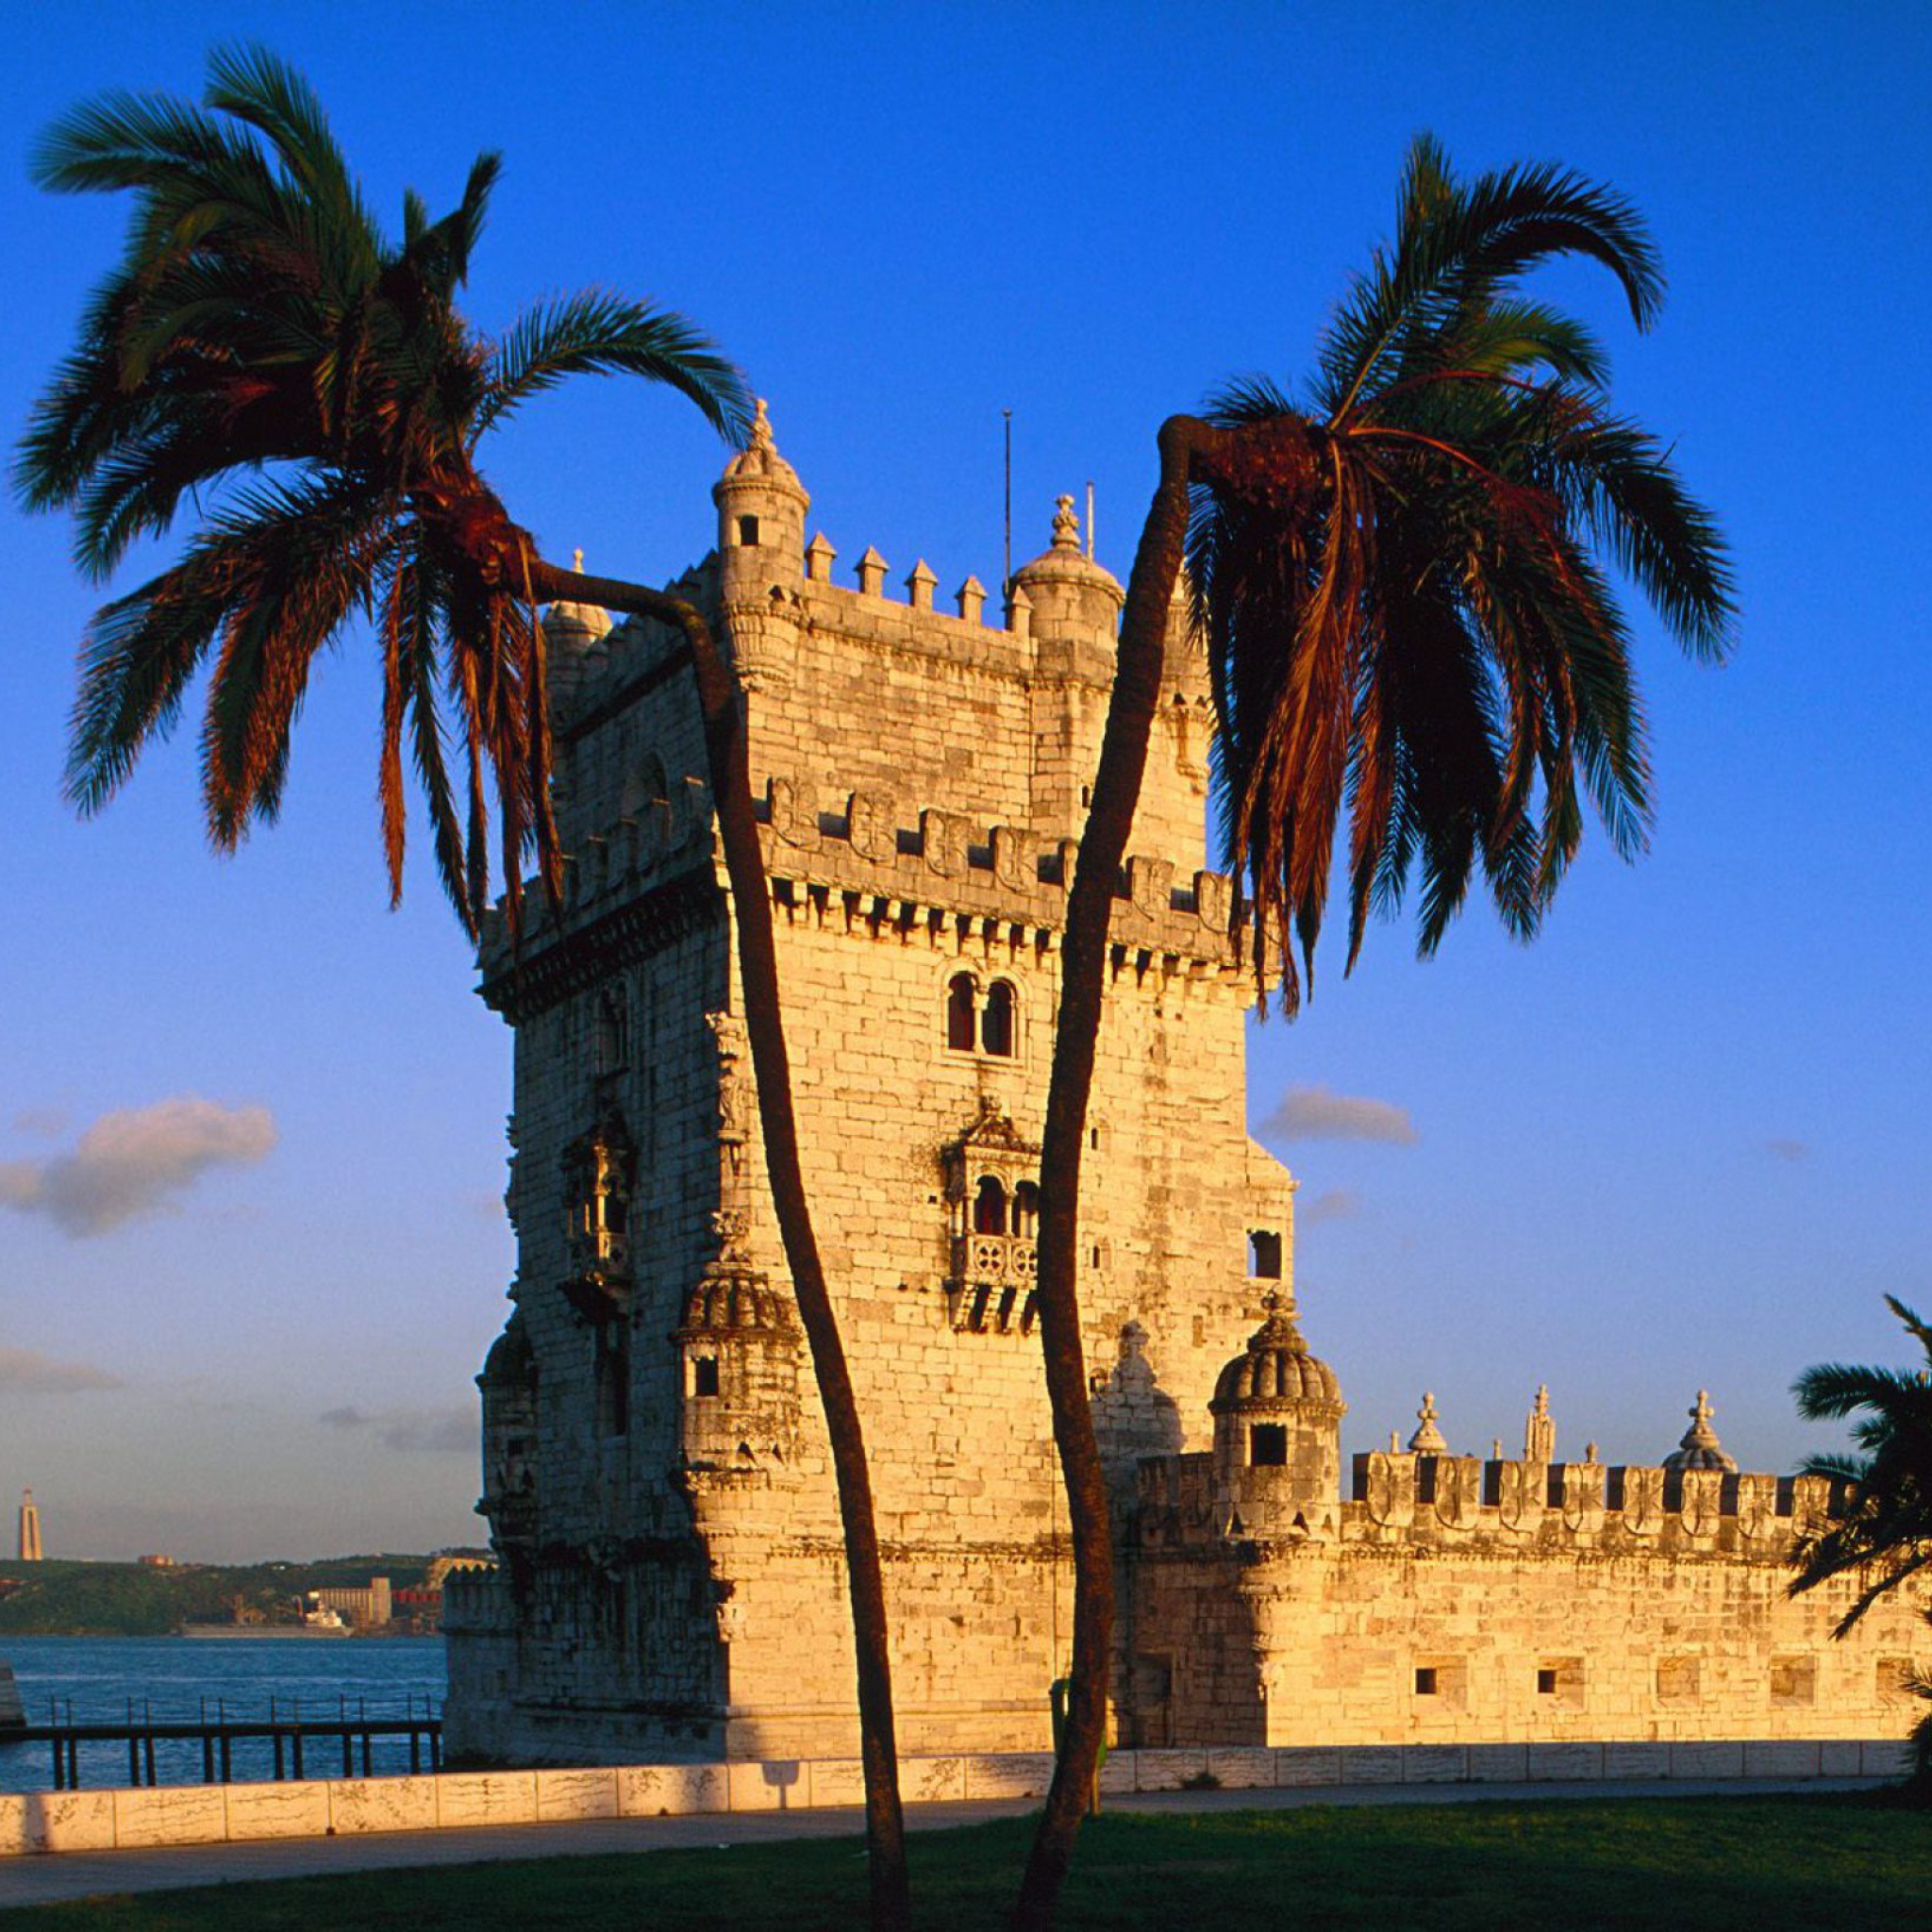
point(178, 1677)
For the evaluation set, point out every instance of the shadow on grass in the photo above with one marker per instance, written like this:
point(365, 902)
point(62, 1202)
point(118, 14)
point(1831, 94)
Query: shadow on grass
point(1722, 1865)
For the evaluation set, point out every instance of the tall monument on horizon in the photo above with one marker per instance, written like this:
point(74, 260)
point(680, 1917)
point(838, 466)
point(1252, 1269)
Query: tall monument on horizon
point(30, 1551)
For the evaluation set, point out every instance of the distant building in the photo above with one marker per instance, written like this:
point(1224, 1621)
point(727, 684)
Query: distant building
point(156, 1563)
point(364, 1609)
point(30, 1551)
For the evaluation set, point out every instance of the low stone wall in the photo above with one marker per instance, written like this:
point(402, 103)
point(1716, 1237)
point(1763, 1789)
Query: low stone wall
point(107, 1819)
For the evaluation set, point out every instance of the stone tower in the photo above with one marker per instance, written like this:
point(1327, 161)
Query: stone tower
point(30, 1551)
point(656, 1473)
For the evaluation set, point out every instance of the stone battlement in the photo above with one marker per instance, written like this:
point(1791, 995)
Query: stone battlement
point(905, 866)
point(1460, 1501)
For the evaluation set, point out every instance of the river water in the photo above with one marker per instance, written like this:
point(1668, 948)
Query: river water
point(100, 1677)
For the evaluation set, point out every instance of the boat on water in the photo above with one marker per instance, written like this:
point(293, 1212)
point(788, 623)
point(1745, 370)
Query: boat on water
point(12, 1711)
point(318, 1619)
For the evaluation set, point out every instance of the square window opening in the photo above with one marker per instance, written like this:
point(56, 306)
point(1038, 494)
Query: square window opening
point(1426, 1680)
point(704, 1375)
point(1268, 1445)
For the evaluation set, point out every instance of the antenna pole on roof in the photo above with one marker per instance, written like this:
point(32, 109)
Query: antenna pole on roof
point(1008, 585)
point(1089, 520)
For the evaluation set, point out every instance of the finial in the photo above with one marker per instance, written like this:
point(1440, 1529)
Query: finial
point(1066, 525)
point(1540, 1431)
point(1589, 1451)
point(761, 428)
point(1428, 1440)
point(1700, 1447)
point(576, 560)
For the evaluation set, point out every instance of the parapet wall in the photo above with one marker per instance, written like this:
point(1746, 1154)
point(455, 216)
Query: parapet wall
point(129, 1817)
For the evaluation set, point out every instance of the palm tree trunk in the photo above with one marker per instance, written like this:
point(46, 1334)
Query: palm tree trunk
point(1083, 986)
point(744, 865)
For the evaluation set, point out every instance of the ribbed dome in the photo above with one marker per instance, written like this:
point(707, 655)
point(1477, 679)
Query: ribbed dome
point(731, 1302)
point(1066, 565)
point(575, 622)
point(759, 461)
point(1276, 1368)
point(1700, 1448)
point(510, 1357)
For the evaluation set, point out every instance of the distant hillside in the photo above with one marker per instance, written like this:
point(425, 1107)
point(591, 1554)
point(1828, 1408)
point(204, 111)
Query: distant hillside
point(64, 1599)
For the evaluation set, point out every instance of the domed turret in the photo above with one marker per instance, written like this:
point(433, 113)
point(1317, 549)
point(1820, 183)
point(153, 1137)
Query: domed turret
point(1073, 602)
point(761, 507)
point(1700, 1448)
point(573, 636)
point(1278, 1414)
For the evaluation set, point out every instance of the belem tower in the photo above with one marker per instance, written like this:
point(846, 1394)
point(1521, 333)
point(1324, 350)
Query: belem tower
point(656, 1476)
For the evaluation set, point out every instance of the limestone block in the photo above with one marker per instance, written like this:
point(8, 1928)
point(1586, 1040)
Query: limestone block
point(1707, 1760)
point(486, 1797)
point(170, 1815)
point(278, 1811)
point(1637, 1760)
point(1838, 1757)
point(1010, 1774)
point(1781, 1757)
point(840, 1781)
point(671, 1790)
point(1884, 1759)
point(1435, 1764)
point(576, 1794)
point(1308, 1764)
point(357, 1805)
point(1242, 1768)
point(1372, 1764)
point(932, 1780)
point(770, 1784)
point(1552, 1763)
point(1167, 1770)
point(64, 1821)
point(1498, 1764)
point(14, 1842)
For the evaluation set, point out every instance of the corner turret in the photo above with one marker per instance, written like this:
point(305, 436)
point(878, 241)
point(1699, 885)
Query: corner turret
point(1277, 1446)
point(1074, 605)
point(761, 507)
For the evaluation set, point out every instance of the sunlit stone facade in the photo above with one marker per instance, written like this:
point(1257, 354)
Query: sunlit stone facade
point(655, 1475)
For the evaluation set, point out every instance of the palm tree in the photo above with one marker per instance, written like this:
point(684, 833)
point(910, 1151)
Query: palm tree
point(1401, 581)
point(265, 343)
point(1883, 1525)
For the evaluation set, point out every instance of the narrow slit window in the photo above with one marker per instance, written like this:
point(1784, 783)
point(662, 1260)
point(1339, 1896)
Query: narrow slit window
point(748, 530)
point(989, 1207)
point(1264, 1254)
point(996, 1022)
point(1025, 1210)
point(960, 1019)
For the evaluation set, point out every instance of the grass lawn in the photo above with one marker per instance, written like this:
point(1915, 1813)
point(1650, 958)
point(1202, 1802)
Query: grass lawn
point(1843, 1862)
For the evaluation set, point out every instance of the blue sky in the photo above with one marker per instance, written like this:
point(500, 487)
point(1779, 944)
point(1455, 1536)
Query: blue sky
point(1679, 1141)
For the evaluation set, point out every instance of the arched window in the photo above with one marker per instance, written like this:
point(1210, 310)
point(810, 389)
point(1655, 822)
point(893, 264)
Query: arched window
point(960, 1014)
point(996, 1023)
point(613, 1046)
point(989, 1207)
point(1025, 1210)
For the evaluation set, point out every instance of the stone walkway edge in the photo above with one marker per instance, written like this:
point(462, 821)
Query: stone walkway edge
point(112, 1819)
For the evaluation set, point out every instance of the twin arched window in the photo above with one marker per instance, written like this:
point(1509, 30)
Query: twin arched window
point(991, 1208)
point(987, 1024)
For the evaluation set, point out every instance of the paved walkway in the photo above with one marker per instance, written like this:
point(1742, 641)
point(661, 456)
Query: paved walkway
point(88, 1874)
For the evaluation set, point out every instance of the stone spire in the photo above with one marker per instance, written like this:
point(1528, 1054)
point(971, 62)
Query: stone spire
point(1540, 1431)
point(1428, 1440)
point(1700, 1448)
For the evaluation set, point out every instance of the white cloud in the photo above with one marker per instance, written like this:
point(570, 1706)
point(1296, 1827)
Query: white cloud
point(25, 1372)
point(1315, 1114)
point(1333, 1204)
point(434, 1432)
point(135, 1162)
point(43, 1122)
